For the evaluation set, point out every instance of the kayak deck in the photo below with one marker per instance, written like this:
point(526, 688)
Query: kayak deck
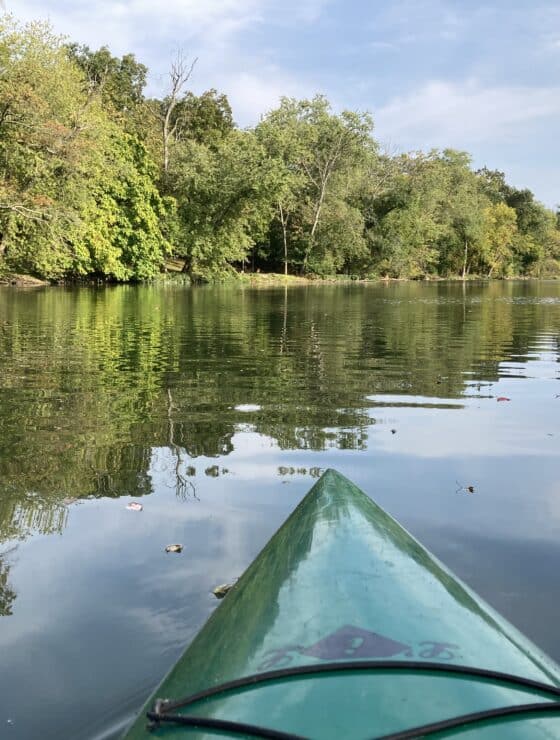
point(342, 583)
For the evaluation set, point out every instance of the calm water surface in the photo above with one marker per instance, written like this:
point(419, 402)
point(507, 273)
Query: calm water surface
point(217, 409)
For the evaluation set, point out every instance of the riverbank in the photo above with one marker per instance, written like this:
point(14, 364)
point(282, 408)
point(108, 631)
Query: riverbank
point(259, 279)
point(22, 281)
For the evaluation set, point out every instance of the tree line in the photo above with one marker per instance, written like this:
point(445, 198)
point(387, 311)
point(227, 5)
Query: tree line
point(99, 180)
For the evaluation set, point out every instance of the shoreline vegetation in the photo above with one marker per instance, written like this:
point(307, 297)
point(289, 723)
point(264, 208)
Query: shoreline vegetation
point(253, 280)
point(100, 183)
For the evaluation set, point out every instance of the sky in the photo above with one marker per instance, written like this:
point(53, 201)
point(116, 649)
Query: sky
point(477, 76)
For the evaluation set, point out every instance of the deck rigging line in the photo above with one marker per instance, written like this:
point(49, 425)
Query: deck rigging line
point(164, 710)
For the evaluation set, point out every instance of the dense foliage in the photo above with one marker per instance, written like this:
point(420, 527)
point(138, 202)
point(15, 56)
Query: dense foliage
point(97, 180)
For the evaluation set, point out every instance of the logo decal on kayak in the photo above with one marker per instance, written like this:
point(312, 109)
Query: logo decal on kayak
point(349, 642)
point(439, 650)
point(353, 642)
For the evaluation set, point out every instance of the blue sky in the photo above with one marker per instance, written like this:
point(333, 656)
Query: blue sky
point(483, 77)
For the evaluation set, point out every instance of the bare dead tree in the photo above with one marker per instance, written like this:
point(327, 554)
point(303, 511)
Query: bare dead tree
point(179, 74)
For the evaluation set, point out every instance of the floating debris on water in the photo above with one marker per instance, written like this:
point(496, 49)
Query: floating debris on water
point(503, 398)
point(220, 591)
point(247, 407)
point(134, 506)
point(466, 489)
point(174, 548)
point(393, 431)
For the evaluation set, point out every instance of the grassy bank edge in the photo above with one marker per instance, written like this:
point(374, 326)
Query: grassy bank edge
point(255, 280)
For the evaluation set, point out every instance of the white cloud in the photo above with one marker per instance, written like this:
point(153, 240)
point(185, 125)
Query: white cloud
point(505, 127)
point(131, 24)
point(211, 30)
point(550, 44)
point(459, 114)
point(310, 11)
point(376, 45)
point(254, 93)
point(404, 22)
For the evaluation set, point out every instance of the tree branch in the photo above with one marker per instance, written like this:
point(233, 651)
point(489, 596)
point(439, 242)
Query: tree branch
point(24, 211)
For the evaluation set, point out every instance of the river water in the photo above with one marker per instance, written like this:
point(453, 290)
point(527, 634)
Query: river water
point(216, 409)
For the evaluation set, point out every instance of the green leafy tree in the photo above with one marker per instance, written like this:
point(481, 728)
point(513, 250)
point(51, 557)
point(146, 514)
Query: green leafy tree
point(205, 118)
point(318, 152)
point(224, 195)
point(44, 137)
point(77, 193)
point(462, 215)
point(121, 220)
point(537, 230)
point(120, 81)
point(499, 231)
point(405, 218)
point(280, 134)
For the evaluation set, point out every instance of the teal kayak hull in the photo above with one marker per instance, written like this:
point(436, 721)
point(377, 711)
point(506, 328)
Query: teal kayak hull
point(342, 583)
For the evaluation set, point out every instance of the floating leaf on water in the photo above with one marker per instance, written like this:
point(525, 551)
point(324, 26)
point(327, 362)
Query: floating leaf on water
point(503, 398)
point(220, 591)
point(134, 506)
point(247, 407)
point(174, 548)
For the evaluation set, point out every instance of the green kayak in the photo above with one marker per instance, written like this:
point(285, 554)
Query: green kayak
point(346, 627)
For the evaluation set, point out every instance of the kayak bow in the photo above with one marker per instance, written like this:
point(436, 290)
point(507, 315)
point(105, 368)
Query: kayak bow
point(345, 626)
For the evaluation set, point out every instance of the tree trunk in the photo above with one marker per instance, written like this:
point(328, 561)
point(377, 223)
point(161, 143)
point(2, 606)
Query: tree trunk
point(318, 209)
point(166, 142)
point(465, 259)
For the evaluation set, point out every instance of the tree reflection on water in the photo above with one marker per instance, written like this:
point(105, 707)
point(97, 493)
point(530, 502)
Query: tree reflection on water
point(93, 381)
